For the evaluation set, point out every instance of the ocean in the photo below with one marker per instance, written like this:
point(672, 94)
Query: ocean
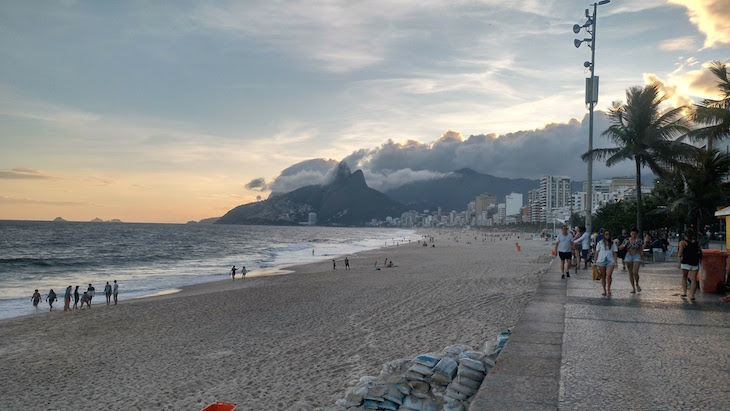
point(147, 259)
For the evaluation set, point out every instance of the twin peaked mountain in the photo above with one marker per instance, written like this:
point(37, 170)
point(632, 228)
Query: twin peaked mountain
point(348, 200)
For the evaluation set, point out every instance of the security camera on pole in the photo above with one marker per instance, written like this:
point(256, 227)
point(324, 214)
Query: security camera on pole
point(591, 95)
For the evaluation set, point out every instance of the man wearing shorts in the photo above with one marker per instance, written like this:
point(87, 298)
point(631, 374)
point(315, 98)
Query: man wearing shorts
point(562, 248)
point(584, 241)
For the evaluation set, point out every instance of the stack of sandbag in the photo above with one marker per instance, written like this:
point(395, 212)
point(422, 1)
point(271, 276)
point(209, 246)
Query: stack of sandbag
point(444, 381)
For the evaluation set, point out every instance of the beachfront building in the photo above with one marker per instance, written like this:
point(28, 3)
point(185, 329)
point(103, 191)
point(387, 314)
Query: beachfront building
point(312, 218)
point(535, 206)
point(555, 192)
point(501, 217)
point(483, 201)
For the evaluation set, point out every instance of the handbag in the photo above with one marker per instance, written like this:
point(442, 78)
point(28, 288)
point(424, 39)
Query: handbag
point(596, 273)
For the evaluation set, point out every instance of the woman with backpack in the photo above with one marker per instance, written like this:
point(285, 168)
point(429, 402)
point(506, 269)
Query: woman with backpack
point(690, 255)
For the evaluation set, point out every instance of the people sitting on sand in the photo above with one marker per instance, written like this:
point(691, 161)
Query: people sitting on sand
point(390, 263)
point(36, 298)
point(51, 298)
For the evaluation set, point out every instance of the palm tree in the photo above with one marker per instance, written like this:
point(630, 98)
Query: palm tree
point(705, 185)
point(645, 134)
point(714, 115)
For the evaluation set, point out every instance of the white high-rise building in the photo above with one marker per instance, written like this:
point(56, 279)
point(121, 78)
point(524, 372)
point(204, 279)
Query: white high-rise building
point(555, 192)
point(501, 213)
point(312, 218)
point(513, 203)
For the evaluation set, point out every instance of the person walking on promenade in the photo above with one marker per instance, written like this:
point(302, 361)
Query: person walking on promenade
point(233, 273)
point(605, 259)
point(584, 241)
point(563, 242)
point(115, 291)
point(690, 255)
point(67, 299)
point(36, 298)
point(51, 298)
point(108, 292)
point(347, 264)
point(622, 251)
point(633, 249)
point(76, 298)
point(92, 292)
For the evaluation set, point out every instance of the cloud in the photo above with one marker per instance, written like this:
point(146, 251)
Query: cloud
point(301, 174)
point(683, 88)
point(679, 43)
point(670, 91)
point(15, 200)
point(554, 149)
point(24, 174)
point(712, 17)
point(258, 184)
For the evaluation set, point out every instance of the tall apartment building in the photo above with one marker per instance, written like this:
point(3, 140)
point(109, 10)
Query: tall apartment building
point(533, 202)
point(483, 201)
point(599, 186)
point(513, 203)
point(555, 191)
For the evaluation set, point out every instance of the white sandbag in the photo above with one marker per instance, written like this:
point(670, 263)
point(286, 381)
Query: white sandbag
point(395, 367)
point(455, 395)
point(421, 369)
point(446, 367)
point(491, 349)
point(467, 372)
point(430, 405)
point(488, 363)
point(403, 388)
point(394, 395)
point(503, 337)
point(473, 364)
point(429, 360)
point(462, 388)
point(414, 376)
point(438, 391)
point(468, 382)
point(418, 386)
point(474, 355)
point(453, 406)
point(455, 349)
point(412, 403)
point(371, 405)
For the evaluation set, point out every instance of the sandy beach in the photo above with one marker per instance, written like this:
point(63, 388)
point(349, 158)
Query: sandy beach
point(271, 342)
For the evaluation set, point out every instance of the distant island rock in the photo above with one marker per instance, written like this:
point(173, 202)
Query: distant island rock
point(116, 220)
point(345, 201)
point(211, 220)
point(192, 222)
point(59, 220)
point(97, 220)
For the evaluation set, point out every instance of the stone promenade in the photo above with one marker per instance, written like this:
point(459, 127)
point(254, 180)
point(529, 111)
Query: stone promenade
point(574, 349)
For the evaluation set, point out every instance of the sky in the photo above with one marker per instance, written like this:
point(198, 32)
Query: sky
point(173, 111)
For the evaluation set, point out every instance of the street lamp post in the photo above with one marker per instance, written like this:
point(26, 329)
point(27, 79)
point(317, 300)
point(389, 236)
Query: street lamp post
point(591, 96)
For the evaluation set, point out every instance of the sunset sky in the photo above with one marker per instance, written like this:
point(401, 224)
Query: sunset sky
point(172, 111)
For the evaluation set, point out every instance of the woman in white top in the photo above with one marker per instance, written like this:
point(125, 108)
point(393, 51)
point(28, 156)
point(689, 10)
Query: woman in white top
point(606, 259)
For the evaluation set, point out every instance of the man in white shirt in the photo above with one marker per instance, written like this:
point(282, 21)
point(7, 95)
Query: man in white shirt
point(563, 244)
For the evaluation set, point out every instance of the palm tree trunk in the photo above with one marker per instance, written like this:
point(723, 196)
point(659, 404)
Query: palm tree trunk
point(709, 144)
point(638, 198)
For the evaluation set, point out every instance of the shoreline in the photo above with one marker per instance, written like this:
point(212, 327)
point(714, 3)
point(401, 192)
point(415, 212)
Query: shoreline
point(270, 342)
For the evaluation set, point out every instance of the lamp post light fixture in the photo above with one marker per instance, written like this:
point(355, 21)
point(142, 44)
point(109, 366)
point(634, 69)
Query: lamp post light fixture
point(591, 95)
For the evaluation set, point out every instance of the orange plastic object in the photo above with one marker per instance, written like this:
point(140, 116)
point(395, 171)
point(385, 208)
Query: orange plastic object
point(221, 406)
point(712, 275)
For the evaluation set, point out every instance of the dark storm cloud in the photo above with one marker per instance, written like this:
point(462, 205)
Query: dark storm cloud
point(258, 184)
point(554, 149)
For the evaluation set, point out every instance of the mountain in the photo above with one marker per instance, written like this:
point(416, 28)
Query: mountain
point(453, 192)
point(59, 220)
point(345, 201)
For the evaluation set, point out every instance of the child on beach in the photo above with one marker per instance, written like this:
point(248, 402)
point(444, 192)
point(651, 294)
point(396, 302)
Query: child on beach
point(51, 298)
point(108, 292)
point(36, 298)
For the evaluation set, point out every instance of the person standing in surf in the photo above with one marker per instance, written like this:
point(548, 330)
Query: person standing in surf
point(243, 272)
point(108, 292)
point(92, 292)
point(76, 298)
point(67, 299)
point(51, 298)
point(36, 298)
point(233, 273)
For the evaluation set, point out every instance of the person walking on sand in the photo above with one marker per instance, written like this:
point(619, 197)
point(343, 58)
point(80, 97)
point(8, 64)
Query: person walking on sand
point(633, 249)
point(243, 272)
point(233, 273)
point(334, 265)
point(605, 259)
point(690, 255)
point(108, 292)
point(563, 242)
point(76, 298)
point(92, 292)
point(115, 291)
point(36, 298)
point(347, 264)
point(67, 299)
point(51, 298)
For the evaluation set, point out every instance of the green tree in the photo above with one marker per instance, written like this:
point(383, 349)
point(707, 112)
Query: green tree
point(713, 116)
point(645, 134)
point(705, 186)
